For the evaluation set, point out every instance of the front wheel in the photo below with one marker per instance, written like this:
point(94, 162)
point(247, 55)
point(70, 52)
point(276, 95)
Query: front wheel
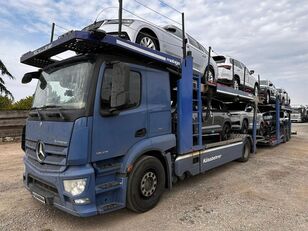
point(244, 129)
point(226, 131)
point(146, 184)
point(147, 40)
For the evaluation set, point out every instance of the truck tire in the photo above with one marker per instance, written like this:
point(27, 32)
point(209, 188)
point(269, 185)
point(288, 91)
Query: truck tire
point(245, 151)
point(146, 183)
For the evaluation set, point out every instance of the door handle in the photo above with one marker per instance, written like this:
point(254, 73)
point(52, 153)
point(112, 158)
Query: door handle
point(141, 132)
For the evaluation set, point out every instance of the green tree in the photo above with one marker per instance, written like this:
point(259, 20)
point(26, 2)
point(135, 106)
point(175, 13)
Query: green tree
point(5, 72)
point(23, 104)
point(5, 103)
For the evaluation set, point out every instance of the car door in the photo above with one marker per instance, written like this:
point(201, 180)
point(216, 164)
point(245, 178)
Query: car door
point(248, 77)
point(199, 57)
point(172, 41)
point(207, 123)
point(219, 114)
point(239, 70)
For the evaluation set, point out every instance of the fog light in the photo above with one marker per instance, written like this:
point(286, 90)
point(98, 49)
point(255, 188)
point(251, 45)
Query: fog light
point(75, 187)
point(82, 201)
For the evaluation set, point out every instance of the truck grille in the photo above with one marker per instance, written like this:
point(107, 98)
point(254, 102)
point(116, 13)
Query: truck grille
point(55, 156)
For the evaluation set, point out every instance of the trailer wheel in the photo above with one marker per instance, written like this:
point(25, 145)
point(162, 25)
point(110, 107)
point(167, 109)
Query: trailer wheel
point(146, 184)
point(246, 151)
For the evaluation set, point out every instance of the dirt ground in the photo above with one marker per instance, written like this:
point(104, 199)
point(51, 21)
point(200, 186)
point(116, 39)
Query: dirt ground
point(269, 192)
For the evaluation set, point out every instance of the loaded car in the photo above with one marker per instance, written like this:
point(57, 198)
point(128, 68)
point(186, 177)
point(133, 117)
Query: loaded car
point(242, 118)
point(167, 39)
point(283, 96)
point(242, 78)
point(269, 118)
point(268, 92)
point(216, 120)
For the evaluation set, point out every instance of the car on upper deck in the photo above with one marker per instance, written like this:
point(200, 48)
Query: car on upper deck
point(283, 96)
point(268, 92)
point(234, 73)
point(167, 39)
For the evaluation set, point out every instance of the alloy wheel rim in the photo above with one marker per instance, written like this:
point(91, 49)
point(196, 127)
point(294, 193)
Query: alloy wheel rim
point(148, 42)
point(235, 85)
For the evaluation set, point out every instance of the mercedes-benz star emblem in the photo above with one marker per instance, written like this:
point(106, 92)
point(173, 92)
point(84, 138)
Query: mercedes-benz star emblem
point(40, 151)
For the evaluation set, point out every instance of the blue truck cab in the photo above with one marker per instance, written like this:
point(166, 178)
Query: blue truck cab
point(101, 133)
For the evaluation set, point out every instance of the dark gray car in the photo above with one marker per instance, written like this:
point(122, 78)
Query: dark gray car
point(216, 120)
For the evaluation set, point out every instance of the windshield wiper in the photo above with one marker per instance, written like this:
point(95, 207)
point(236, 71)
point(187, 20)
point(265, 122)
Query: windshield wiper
point(49, 106)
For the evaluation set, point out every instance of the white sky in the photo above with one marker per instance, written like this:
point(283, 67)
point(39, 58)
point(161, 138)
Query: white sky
point(270, 37)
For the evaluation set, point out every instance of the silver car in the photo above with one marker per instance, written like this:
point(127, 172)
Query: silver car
point(283, 96)
point(242, 118)
point(167, 39)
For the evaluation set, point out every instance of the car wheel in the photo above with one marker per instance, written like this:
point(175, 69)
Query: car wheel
point(261, 129)
point(267, 98)
point(244, 129)
point(146, 184)
point(226, 130)
point(235, 84)
point(147, 40)
point(245, 152)
point(211, 77)
point(256, 90)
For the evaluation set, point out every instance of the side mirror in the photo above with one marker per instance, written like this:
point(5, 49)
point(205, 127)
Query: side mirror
point(120, 85)
point(271, 85)
point(27, 78)
point(251, 72)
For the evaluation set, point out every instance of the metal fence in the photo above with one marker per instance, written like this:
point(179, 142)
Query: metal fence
point(12, 122)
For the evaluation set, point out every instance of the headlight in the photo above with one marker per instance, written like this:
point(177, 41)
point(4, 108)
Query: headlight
point(75, 187)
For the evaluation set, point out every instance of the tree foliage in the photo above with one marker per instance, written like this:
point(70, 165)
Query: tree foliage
point(4, 72)
point(7, 103)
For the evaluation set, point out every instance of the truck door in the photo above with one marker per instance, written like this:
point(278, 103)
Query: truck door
point(116, 128)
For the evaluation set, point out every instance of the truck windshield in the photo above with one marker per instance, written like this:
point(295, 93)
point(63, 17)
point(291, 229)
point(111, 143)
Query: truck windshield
point(66, 87)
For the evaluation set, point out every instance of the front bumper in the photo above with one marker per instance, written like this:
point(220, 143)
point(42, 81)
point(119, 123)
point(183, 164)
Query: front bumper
point(48, 186)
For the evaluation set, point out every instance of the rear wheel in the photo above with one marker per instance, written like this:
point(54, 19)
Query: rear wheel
point(211, 76)
point(261, 129)
point(226, 131)
point(267, 98)
point(256, 90)
point(146, 184)
point(147, 40)
point(245, 152)
point(236, 83)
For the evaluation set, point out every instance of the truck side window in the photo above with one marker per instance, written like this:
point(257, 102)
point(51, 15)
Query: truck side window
point(134, 90)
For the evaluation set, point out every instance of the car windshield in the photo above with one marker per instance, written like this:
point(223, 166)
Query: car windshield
point(66, 86)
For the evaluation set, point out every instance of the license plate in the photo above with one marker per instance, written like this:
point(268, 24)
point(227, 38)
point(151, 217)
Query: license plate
point(39, 197)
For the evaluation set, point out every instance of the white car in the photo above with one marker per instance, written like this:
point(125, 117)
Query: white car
point(225, 71)
point(242, 118)
point(283, 96)
point(167, 39)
